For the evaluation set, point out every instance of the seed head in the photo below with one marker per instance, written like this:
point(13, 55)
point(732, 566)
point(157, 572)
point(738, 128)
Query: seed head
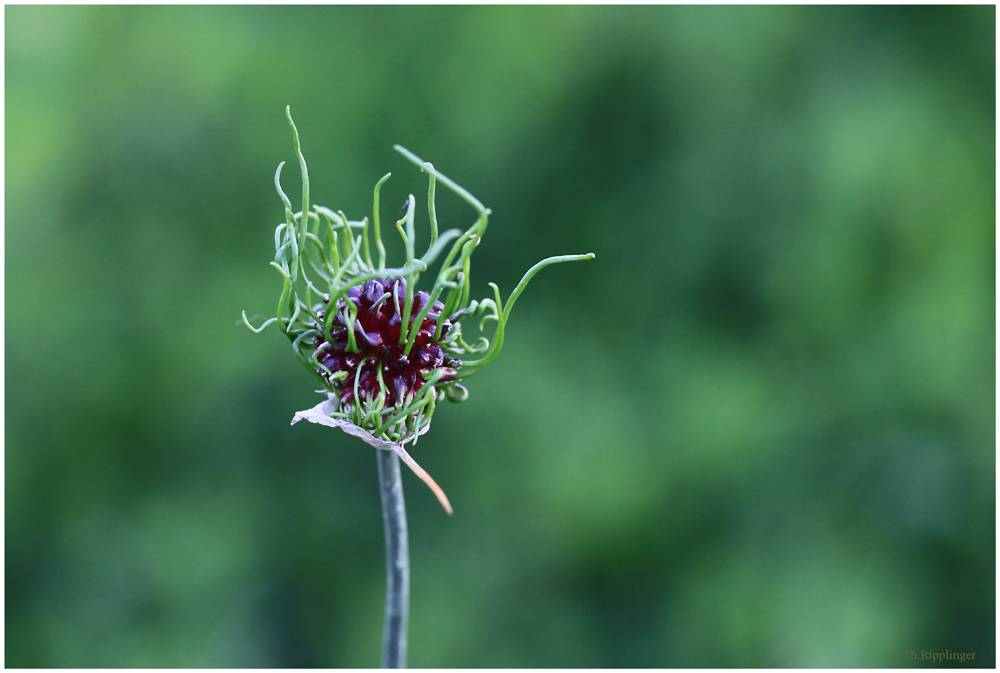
point(384, 353)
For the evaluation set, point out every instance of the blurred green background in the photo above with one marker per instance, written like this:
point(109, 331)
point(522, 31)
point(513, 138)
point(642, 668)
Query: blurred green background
point(757, 430)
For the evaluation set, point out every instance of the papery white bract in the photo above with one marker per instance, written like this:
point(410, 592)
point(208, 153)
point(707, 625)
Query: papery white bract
point(320, 414)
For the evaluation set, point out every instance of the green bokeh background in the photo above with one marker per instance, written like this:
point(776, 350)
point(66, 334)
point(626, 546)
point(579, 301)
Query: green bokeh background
point(757, 430)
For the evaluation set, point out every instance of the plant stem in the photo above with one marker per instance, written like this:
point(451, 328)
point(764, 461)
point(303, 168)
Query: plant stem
point(397, 561)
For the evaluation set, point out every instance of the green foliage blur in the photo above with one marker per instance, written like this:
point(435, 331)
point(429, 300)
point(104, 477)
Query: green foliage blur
point(757, 430)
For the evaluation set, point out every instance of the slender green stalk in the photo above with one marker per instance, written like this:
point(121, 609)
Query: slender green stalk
point(397, 561)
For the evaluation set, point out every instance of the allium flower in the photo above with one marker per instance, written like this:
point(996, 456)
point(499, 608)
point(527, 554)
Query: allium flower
point(377, 337)
point(385, 354)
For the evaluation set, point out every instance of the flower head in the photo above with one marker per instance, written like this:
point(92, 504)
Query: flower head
point(380, 361)
point(385, 353)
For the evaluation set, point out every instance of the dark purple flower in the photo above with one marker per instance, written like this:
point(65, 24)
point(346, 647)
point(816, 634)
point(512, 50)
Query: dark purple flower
point(379, 317)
